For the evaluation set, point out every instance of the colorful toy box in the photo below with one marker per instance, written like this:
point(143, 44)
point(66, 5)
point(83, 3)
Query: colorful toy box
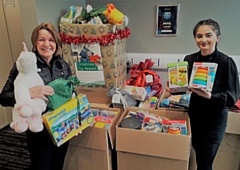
point(149, 103)
point(178, 76)
point(173, 125)
point(138, 93)
point(203, 75)
point(103, 117)
point(64, 123)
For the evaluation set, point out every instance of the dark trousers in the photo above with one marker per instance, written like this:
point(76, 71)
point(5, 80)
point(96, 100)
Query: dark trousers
point(205, 154)
point(44, 154)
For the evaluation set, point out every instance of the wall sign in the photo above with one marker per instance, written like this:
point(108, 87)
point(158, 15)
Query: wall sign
point(166, 20)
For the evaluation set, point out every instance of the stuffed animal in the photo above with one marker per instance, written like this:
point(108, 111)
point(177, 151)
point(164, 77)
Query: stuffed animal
point(27, 112)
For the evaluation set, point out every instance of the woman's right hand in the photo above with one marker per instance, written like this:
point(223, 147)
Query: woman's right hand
point(41, 92)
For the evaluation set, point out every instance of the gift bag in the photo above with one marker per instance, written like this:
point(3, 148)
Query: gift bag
point(63, 92)
point(142, 76)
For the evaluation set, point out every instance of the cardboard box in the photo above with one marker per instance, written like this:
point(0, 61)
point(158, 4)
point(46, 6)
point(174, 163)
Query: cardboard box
point(95, 95)
point(113, 54)
point(64, 122)
point(141, 150)
point(203, 75)
point(93, 149)
point(178, 76)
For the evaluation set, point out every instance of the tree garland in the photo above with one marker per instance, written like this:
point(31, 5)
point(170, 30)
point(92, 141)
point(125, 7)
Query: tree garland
point(102, 40)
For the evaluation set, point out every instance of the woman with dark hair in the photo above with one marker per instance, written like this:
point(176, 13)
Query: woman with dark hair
point(46, 44)
point(208, 111)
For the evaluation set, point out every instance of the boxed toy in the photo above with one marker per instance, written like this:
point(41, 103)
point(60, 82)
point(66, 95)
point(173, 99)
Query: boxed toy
point(203, 75)
point(149, 103)
point(174, 126)
point(178, 76)
point(64, 123)
point(138, 93)
point(103, 117)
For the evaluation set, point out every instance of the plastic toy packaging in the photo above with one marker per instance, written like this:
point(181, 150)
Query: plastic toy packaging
point(103, 118)
point(203, 75)
point(149, 103)
point(178, 76)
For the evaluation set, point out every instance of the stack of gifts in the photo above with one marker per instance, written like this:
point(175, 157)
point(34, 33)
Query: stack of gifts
point(94, 44)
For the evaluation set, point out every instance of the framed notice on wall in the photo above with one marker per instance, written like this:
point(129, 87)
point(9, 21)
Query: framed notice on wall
point(166, 20)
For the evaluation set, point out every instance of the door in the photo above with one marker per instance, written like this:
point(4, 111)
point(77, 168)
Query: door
point(6, 62)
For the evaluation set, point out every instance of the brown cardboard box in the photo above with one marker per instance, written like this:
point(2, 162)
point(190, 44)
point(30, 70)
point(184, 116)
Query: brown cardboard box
point(143, 150)
point(95, 95)
point(228, 155)
point(113, 54)
point(92, 150)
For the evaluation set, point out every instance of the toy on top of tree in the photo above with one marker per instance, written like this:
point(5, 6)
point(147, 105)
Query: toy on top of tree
point(113, 15)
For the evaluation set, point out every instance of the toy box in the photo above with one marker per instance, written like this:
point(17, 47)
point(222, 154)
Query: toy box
point(203, 75)
point(178, 76)
point(173, 126)
point(103, 117)
point(138, 93)
point(149, 103)
point(64, 123)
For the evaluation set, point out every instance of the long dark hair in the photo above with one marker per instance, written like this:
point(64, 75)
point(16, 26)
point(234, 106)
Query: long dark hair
point(215, 26)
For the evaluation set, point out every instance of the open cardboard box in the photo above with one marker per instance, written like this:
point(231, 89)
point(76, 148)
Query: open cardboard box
point(95, 95)
point(141, 150)
point(92, 150)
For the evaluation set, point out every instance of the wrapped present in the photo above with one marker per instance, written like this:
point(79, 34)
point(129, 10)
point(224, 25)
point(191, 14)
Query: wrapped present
point(112, 40)
point(142, 76)
point(68, 120)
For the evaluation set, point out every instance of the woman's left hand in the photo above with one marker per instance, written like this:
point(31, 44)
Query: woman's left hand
point(202, 92)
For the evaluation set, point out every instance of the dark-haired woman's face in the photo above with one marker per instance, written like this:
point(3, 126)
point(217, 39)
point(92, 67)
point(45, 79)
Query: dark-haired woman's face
point(206, 39)
point(46, 45)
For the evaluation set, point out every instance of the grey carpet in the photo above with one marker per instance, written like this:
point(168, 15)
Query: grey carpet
point(13, 150)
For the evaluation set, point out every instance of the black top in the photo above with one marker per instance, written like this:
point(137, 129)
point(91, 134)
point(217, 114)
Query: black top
point(58, 69)
point(209, 116)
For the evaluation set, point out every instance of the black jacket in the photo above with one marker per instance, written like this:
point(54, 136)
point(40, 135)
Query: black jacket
point(58, 69)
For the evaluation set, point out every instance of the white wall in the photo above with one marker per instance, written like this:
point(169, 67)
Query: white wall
point(142, 23)
point(53, 10)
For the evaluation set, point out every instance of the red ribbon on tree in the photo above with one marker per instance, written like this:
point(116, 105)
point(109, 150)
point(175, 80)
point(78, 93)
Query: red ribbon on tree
point(138, 73)
point(102, 40)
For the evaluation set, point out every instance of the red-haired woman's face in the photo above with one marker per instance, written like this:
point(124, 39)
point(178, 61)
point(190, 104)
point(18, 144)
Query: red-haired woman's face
point(46, 45)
